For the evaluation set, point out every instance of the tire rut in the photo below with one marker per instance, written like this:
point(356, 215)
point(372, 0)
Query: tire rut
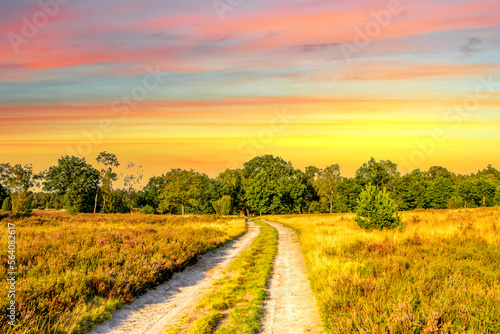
point(291, 307)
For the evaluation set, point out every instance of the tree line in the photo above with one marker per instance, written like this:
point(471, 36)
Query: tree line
point(265, 185)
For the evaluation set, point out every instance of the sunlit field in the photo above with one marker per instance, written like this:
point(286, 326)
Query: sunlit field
point(441, 274)
point(75, 269)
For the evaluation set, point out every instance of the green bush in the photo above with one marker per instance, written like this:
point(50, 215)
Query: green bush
point(148, 210)
point(375, 209)
point(7, 204)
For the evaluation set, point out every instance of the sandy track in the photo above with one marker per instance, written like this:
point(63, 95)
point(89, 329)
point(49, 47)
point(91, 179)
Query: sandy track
point(159, 307)
point(291, 307)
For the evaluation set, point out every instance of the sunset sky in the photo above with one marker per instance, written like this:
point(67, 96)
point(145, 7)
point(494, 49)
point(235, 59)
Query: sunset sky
point(209, 84)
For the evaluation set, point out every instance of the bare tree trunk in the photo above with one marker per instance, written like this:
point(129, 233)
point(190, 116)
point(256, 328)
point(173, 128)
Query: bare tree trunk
point(331, 206)
point(182, 209)
point(95, 204)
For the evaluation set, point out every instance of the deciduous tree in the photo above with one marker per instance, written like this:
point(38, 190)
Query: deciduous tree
point(326, 184)
point(439, 193)
point(75, 180)
point(108, 161)
point(18, 180)
point(131, 179)
point(182, 187)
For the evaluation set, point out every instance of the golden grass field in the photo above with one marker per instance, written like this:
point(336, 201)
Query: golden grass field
point(441, 274)
point(74, 270)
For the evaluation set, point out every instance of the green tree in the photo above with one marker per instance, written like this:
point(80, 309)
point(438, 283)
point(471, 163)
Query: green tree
point(230, 183)
point(182, 188)
point(439, 193)
point(222, 206)
point(273, 186)
point(411, 189)
point(487, 189)
point(376, 209)
point(108, 161)
point(326, 184)
point(382, 174)
point(497, 197)
point(311, 195)
point(470, 193)
point(455, 202)
point(349, 190)
point(130, 180)
point(75, 181)
point(18, 180)
point(3, 193)
point(7, 204)
point(490, 173)
point(437, 171)
point(119, 201)
point(262, 193)
point(151, 192)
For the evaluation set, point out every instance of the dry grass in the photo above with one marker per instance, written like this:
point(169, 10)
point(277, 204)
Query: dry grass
point(74, 270)
point(440, 275)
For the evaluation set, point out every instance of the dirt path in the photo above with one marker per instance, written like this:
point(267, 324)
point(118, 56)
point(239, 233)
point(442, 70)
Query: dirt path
point(291, 307)
point(160, 307)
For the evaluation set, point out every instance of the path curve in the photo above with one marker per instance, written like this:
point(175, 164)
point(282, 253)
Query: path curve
point(160, 307)
point(291, 306)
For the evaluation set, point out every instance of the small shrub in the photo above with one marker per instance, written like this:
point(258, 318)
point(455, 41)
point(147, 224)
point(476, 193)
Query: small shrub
point(375, 209)
point(148, 210)
point(7, 204)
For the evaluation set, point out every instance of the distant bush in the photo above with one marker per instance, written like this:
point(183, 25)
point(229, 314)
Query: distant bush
point(148, 210)
point(375, 209)
point(455, 202)
point(7, 204)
